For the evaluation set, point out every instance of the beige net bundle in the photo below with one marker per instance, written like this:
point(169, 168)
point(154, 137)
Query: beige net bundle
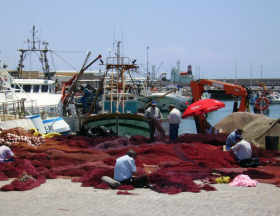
point(237, 120)
point(256, 130)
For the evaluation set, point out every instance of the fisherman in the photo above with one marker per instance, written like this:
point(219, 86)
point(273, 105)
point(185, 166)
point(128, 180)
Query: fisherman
point(174, 121)
point(242, 150)
point(6, 154)
point(209, 129)
point(231, 141)
point(126, 172)
point(153, 113)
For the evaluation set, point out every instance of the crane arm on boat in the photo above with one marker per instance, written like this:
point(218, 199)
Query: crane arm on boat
point(73, 80)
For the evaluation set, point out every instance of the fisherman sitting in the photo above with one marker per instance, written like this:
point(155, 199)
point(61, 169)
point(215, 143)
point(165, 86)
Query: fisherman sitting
point(209, 129)
point(126, 172)
point(6, 154)
point(242, 150)
point(243, 153)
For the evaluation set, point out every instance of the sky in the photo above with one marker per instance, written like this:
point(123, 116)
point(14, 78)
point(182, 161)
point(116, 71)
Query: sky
point(219, 38)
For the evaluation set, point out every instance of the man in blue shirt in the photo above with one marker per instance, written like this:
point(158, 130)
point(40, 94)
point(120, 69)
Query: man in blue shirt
point(231, 141)
point(126, 172)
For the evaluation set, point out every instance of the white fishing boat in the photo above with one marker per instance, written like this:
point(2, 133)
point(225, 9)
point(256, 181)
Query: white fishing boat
point(170, 95)
point(23, 94)
point(274, 98)
point(164, 96)
point(37, 93)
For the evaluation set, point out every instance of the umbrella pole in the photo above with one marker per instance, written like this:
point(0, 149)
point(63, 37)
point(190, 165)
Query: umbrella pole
point(197, 124)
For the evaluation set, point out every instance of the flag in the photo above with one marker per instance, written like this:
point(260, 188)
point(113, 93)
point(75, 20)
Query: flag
point(189, 70)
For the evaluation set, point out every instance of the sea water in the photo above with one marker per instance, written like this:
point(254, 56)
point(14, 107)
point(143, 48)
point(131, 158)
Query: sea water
point(188, 125)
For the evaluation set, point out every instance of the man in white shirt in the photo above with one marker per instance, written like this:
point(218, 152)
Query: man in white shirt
point(174, 121)
point(242, 149)
point(6, 153)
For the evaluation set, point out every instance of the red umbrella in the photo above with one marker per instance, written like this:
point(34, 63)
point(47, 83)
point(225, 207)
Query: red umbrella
point(202, 106)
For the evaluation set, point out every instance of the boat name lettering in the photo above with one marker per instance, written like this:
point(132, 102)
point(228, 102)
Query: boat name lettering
point(48, 128)
point(218, 85)
point(236, 90)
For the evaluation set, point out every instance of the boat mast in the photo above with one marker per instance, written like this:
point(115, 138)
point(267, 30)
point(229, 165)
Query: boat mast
point(42, 53)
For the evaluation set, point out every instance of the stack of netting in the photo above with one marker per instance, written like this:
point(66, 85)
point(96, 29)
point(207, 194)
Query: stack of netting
point(86, 160)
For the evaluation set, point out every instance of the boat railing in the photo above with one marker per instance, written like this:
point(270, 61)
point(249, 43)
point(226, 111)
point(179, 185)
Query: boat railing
point(16, 109)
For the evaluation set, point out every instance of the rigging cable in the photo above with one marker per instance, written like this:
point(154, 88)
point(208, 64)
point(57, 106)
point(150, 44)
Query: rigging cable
point(65, 61)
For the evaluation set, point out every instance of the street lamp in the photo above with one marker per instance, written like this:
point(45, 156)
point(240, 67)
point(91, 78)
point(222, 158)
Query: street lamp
point(261, 74)
point(147, 61)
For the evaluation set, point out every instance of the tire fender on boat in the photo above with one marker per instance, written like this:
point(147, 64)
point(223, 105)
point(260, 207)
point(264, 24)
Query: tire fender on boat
point(257, 103)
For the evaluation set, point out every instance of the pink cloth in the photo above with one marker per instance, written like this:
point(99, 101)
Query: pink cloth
point(243, 180)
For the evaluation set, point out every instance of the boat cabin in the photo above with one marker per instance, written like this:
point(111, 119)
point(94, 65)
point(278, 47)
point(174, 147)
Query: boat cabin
point(33, 86)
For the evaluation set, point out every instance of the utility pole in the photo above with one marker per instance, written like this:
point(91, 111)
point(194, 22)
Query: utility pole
point(148, 68)
point(235, 70)
point(261, 74)
point(251, 76)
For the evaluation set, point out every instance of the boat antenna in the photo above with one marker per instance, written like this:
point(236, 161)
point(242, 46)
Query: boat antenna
point(33, 31)
point(122, 34)
point(39, 42)
point(33, 37)
point(34, 14)
point(114, 37)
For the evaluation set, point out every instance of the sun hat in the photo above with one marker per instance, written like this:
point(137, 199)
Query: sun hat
point(171, 106)
point(240, 130)
point(154, 102)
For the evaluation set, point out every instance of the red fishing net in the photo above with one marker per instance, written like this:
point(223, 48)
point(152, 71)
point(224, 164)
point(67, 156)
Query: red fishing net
point(86, 160)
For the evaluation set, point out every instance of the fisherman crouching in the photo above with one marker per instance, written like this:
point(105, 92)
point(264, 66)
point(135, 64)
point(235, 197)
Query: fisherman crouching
point(126, 172)
point(6, 154)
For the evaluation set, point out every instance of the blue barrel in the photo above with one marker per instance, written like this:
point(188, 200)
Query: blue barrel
point(271, 142)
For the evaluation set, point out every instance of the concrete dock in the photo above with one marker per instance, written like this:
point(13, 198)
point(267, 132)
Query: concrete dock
point(62, 197)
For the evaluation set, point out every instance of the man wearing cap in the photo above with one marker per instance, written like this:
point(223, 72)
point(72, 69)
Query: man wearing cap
point(153, 113)
point(242, 149)
point(231, 138)
point(174, 121)
point(6, 154)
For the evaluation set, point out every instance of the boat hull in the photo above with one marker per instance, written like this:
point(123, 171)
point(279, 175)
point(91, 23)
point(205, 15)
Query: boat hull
point(180, 102)
point(56, 125)
point(124, 124)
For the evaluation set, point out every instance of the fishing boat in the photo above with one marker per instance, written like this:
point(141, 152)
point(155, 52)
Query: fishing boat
point(170, 94)
point(25, 95)
point(274, 97)
point(178, 76)
point(118, 110)
point(255, 96)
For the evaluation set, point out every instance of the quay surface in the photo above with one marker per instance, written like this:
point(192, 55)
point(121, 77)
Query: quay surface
point(62, 197)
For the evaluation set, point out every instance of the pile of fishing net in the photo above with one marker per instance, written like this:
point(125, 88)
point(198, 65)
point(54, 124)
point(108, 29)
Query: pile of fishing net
point(86, 160)
point(237, 120)
point(255, 126)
